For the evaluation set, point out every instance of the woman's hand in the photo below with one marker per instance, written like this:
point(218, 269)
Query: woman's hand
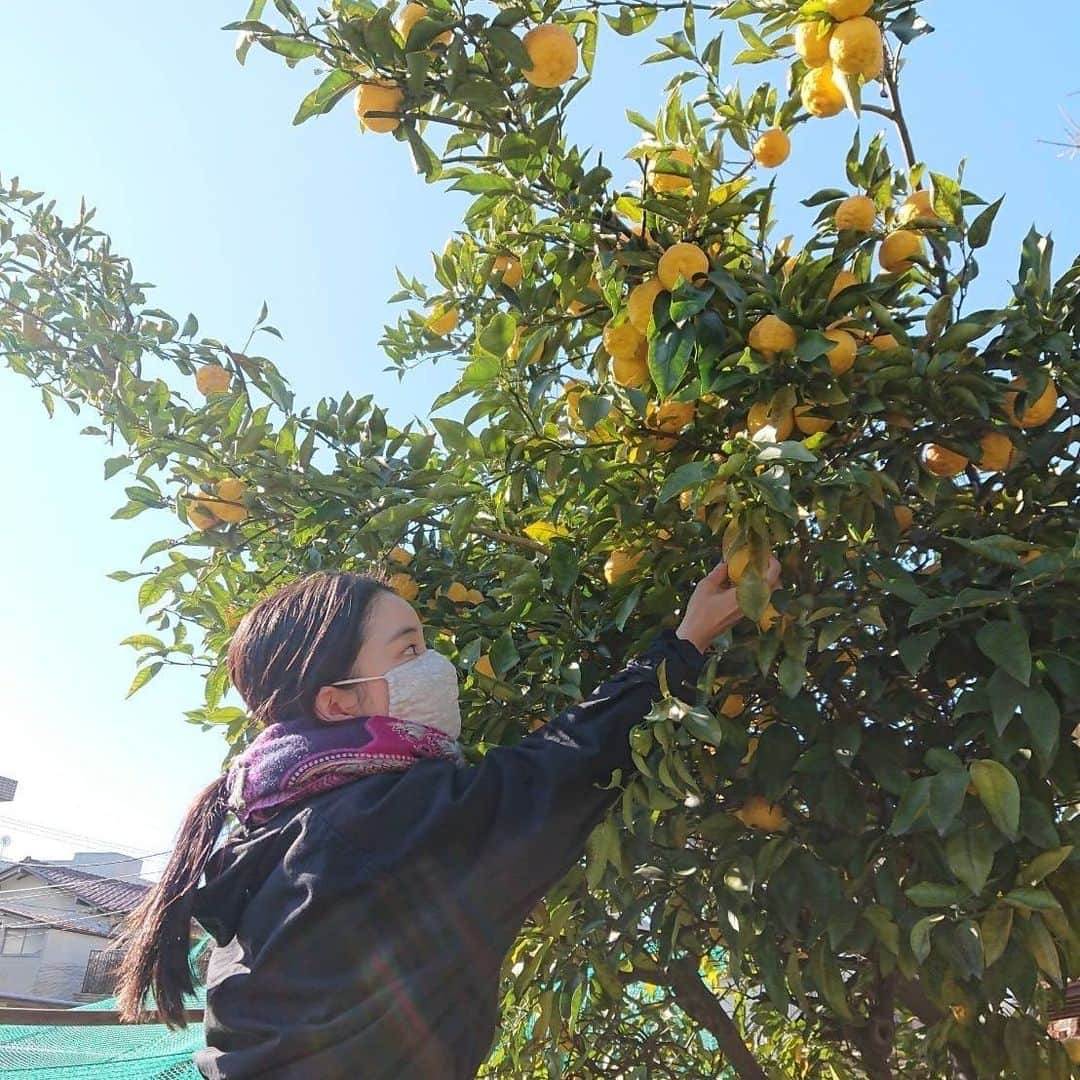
point(713, 608)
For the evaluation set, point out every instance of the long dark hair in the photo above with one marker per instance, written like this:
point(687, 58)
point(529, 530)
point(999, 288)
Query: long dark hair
point(290, 644)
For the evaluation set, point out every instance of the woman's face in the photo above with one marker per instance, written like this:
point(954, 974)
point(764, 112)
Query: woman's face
point(394, 636)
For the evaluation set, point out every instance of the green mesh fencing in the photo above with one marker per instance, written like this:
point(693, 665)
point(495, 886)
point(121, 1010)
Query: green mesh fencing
point(115, 1051)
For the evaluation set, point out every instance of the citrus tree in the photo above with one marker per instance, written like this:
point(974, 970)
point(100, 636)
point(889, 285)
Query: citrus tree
point(855, 854)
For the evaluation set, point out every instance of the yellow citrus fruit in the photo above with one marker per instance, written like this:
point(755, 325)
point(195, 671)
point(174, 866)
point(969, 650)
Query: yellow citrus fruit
point(483, 665)
point(857, 213)
point(230, 505)
point(820, 94)
point(771, 335)
point(379, 97)
point(400, 556)
point(554, 55)
point(409, 16)
point(847, 9)
point(623, 342)
point(405, 586)
point(943, 462)
point(897, 250)
point(639, 304)
point(808, 422)
point(632, 371)
point(200, 515)
point(881, 342)
point(842, 355)
point(442, 320)
point(661, 181)
point(510, 269)
point(997, 453)
point(856, 48)
point(844, 280)
point(212, 379)
point(457, 592)
point(812, 42)
point(681, 260)
point(671, 416)
point(1037, 412)
point(758, 417)
point(733, 705)
point(758, 813)
point(620, 563)
point(919, 204)
point(772, 148)
point(904, 517)
point(474, 596)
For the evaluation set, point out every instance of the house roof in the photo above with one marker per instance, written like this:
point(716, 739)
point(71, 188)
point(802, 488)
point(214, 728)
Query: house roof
point(107, 893)
point(21, 913)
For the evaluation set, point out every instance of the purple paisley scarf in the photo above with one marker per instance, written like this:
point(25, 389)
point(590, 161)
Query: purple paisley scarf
point(293, 760)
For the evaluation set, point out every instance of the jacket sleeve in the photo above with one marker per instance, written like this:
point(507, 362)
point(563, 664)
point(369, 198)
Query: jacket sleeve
point(531, 807)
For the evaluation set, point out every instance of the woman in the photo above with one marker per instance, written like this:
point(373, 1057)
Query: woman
point(362, 910)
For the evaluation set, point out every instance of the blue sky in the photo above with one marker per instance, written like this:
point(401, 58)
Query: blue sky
point(202, 181)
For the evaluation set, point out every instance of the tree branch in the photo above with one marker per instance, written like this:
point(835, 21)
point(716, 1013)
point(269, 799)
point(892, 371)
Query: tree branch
point(696, 1000)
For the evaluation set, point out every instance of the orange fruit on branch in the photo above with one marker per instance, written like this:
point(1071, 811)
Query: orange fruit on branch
point(812, 42)
point(684, 260)
point(554, 55)
point(772, 148)
point(380, 96)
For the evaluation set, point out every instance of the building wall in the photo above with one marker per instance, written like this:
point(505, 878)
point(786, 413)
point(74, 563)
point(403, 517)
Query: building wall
point(59, 969)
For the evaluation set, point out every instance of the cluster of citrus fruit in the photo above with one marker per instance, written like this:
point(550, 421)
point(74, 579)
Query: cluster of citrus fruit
point(224, 505)
point(845, 43)
point(551, 48)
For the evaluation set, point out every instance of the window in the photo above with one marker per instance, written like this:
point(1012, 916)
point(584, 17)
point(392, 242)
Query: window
point(23, 942)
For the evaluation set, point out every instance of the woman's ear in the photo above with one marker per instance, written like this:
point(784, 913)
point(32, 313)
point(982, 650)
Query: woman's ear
point(336, 703)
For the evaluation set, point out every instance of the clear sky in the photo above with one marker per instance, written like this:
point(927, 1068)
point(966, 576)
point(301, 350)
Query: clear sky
point(202, 181)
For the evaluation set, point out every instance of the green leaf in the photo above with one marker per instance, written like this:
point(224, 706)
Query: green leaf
point(498, 335)
point(970, 855)
point(1006, 644)
point(920, 936)
point(510, 45)
point(144, 641)
point(669, 357)
point(999, 792)
point(115, 464)
point(946, 797)
point(1031, 899)
point(504, 654)
point(143, 676)
point(288, 46)
point(1041, 945)
point(1046, 863)
point(932, 894)
point(915, 649)
point(994, 932)
point(686, 476)
point(913, 804)
point(979, 230)
point(825, 972)
point(1043, 721)
point(626, 608)
point(327, 94)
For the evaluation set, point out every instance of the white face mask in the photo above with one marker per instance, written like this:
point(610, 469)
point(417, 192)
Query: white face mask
point(424, 690)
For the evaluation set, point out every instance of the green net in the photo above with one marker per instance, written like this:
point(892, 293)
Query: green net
point(121, 1051)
